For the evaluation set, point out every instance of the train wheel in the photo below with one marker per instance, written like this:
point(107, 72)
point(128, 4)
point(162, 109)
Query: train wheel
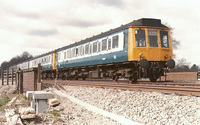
point(63, 77)
point(76, 77)
point(83, 77)
point(153, 79)
point(115, 78)
point(133, 79)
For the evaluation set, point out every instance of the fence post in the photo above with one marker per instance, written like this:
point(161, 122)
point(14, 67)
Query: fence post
point(39, 84)
point(21, 81)
point(7, 76)
point(2, 77)
point(56, 79)
point(39, 72)
point(12, 75)
point(17, 79)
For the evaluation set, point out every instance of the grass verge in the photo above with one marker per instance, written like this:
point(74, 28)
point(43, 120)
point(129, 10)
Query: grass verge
point(3, 102)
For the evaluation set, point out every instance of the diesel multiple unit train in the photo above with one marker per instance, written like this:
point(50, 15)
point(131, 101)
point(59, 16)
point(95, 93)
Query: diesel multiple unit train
point(139, 49)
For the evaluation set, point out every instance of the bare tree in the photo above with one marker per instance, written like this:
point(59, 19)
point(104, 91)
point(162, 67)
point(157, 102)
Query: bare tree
point(194, 68)
point(175, 43)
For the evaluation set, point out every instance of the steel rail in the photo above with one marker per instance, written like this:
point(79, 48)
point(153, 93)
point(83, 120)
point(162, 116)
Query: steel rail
point(178, 89)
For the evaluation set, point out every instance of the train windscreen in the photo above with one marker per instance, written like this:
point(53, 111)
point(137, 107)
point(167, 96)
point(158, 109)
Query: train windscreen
point(164, 39)
point(140, 38)
point(153, 38)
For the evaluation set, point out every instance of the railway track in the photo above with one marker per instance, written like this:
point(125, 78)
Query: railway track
point(163, 87)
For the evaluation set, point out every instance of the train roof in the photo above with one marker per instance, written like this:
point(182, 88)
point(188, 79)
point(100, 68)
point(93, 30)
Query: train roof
point(139, 22)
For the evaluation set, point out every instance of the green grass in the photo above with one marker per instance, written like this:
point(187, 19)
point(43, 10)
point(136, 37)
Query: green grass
point(55, 113)
point(6, 98)
point(57, 116)
point(3, 102)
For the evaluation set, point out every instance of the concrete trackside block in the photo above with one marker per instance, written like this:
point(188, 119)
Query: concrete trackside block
point(42, 95)
point(39, 100)
point(41, 106)
point(29, 94)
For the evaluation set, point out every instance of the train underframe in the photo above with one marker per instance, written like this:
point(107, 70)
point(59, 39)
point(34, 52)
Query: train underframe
point(130, 70)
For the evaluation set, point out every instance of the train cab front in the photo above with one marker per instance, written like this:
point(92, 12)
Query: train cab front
point(152, 48)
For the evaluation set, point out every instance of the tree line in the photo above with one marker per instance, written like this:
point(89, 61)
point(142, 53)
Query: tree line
point(15, 60)
point(183, 66)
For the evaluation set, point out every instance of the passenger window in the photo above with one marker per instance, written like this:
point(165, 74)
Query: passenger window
point(99, 46)
point(94, 47)
point(104, 44)
point(64, 55)
point(115, 40)
point(82, 50)
point(126, 37)
point(68, 53)
point(59, 56)
point(49, 59)
point(140, 38)
point(87, 49)
point(153, 38)
point(79, 50)
point(164, 39)
point(90, 49)
point(109, 44)
point(73, 52)
point(76, 52)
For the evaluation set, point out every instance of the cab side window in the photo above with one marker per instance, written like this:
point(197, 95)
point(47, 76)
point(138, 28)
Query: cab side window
point(126, 37)
point(164, 39)
point(140, 38)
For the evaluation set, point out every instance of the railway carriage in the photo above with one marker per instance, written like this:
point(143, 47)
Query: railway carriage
point(140, 49)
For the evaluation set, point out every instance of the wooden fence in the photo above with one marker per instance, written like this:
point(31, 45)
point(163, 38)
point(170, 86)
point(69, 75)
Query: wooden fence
point(8, 77)
point(25, 80)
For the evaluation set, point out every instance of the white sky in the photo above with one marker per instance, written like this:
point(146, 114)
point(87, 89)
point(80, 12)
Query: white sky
point(40, 26)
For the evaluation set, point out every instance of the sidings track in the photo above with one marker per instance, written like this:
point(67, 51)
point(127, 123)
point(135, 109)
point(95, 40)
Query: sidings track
point(163, 87)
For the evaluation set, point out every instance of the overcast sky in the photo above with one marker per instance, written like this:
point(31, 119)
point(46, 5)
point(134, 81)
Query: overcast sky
point(40, 26)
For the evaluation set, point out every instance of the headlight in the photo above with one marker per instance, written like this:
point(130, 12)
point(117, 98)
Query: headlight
point(166, 56)
point(141, 55)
